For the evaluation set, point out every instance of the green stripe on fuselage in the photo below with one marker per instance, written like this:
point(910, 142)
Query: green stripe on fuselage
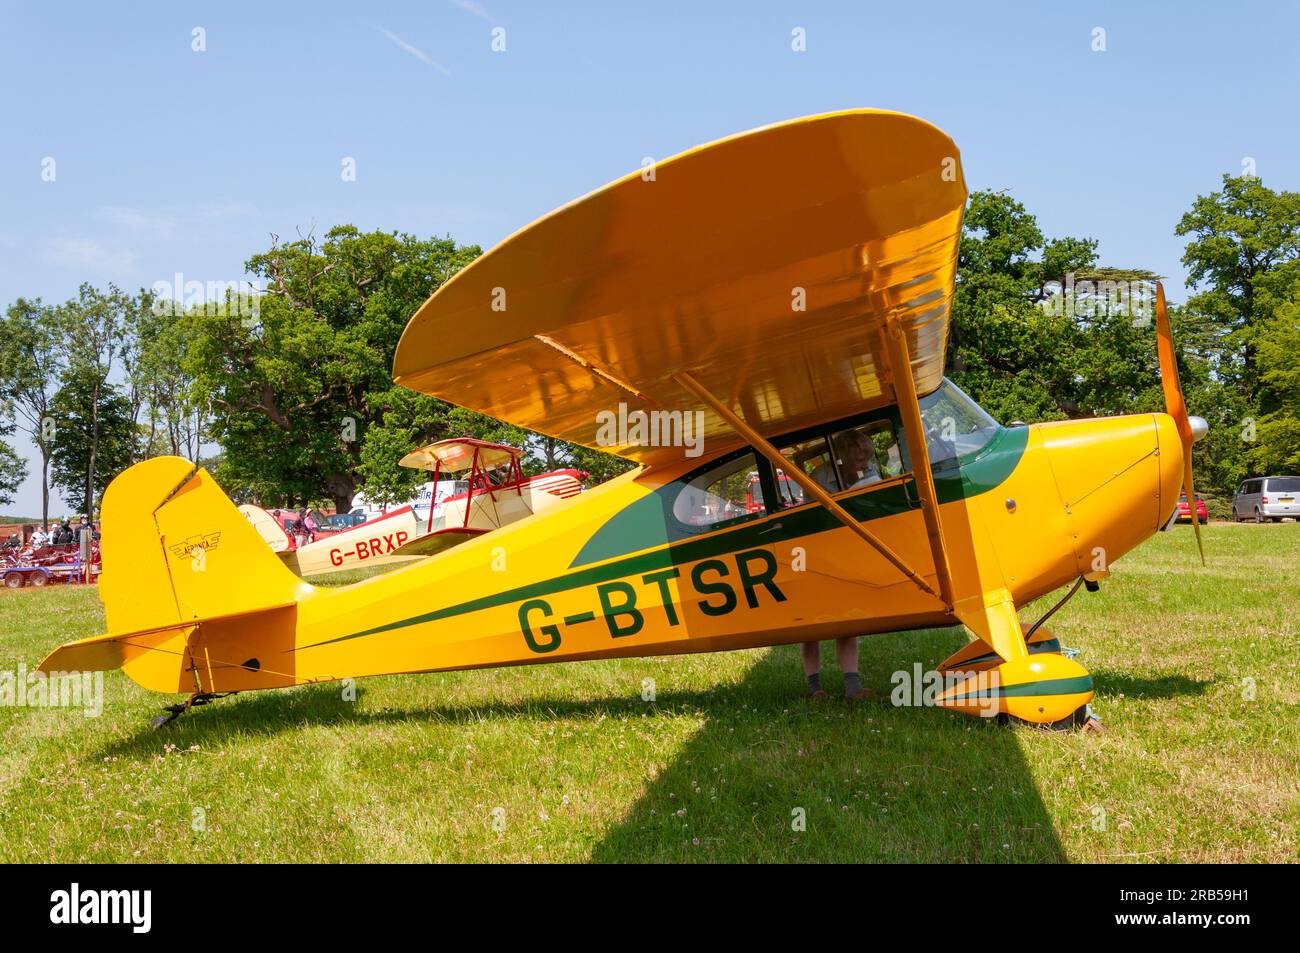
point(649, 542)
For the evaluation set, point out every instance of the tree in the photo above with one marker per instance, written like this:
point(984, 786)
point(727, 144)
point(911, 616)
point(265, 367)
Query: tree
point(1277, 449)
point(295, 388)
point(1041, 331)
point(31, 360)
point(96, 327)
point(161, 389)
point(1006, 350)
point(553, 454)
point(95, 436)
point(13, 470)
point(407, 420)
point(1245, 251)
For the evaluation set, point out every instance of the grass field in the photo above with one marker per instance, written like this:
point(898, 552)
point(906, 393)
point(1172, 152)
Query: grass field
point(568, 763)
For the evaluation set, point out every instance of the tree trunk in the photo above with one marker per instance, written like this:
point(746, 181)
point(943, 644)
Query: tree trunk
point(342, 487)
point(45, 487)
point(88, 511)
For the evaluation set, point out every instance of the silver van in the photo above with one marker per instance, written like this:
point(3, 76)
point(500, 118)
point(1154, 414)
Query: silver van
point(1267, 498)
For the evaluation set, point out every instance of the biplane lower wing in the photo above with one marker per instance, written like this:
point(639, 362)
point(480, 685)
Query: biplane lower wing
point(439, 540)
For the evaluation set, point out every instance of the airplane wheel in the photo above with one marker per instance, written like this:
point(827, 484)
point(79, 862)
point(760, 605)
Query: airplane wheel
point(14, 580)
point(1081, 718)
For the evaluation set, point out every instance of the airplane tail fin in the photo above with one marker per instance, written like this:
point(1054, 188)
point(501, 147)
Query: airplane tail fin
point(183, 573)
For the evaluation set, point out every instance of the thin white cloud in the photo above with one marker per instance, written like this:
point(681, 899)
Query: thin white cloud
point(418, 53)
point(228, 209)
point(472, 6)
point(155, 223)
point(89, 254)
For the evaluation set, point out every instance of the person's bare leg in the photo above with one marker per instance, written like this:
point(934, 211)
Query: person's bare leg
point(812, 657)
point(846, 652)
point(811, 653)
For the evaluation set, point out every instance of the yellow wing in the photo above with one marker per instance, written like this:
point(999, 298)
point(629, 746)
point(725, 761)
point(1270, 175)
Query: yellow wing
point(764, 265)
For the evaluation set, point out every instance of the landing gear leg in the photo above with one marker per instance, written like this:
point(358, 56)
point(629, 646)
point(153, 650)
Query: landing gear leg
point(175, 711)
point(1009, 672)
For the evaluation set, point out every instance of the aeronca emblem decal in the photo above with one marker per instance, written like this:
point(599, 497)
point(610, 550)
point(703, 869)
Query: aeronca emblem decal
point(200, 542)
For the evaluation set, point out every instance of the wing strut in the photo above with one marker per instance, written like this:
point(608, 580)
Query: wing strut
point(795, 473)
point(910, 410)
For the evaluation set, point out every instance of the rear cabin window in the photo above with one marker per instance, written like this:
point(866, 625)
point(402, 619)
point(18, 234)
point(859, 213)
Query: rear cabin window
point(721, 494)
point(1284, 485)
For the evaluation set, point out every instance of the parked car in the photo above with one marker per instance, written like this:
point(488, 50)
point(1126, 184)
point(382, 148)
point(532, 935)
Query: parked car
point(1267, 498)
point(338, 522)
point(1185, 511)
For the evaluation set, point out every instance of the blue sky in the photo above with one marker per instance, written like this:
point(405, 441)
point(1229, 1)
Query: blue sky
point(169, 160)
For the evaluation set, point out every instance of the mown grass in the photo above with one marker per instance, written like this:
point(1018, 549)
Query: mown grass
point(568, 763)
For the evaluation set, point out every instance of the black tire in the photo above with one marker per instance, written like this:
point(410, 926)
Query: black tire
point(14, 580)
point(38, 579)
point(1260, 517)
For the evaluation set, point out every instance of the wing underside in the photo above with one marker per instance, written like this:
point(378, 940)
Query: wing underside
point(764, 265)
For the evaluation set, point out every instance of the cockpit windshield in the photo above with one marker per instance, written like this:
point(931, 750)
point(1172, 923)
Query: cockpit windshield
point(955, 425)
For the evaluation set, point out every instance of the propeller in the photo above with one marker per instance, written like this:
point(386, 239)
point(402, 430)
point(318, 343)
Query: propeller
point(1190, 429)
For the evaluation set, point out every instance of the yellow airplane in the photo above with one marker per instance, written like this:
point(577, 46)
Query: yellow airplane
point(761, 324)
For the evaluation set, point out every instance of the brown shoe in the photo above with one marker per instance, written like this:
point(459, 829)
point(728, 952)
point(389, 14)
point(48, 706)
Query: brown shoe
point(818, 695)
point(866, 695)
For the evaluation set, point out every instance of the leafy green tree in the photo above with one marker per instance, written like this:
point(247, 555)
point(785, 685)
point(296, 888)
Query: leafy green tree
point(162, 391)
point(96, 330)
point(1245, 252)
point(94, 435)
point(548, 453)
point(1006, 349)
point(1277, 449)
point(13, 469)
point(294, 389)
point(302, 401)
point(31, 360)
point(1028, 350)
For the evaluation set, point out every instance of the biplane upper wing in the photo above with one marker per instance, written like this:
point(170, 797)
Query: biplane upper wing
point(764, 266)
point(459, 453)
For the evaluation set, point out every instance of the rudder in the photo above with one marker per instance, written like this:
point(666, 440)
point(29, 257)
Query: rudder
point(177, 551)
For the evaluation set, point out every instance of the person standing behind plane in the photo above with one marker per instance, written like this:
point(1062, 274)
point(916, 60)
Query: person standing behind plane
point(856, 459)
point(846, 653)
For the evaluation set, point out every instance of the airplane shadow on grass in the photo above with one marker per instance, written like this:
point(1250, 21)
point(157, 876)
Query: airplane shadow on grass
point(774, 777)
point(771, 776)
point(1113, 684)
